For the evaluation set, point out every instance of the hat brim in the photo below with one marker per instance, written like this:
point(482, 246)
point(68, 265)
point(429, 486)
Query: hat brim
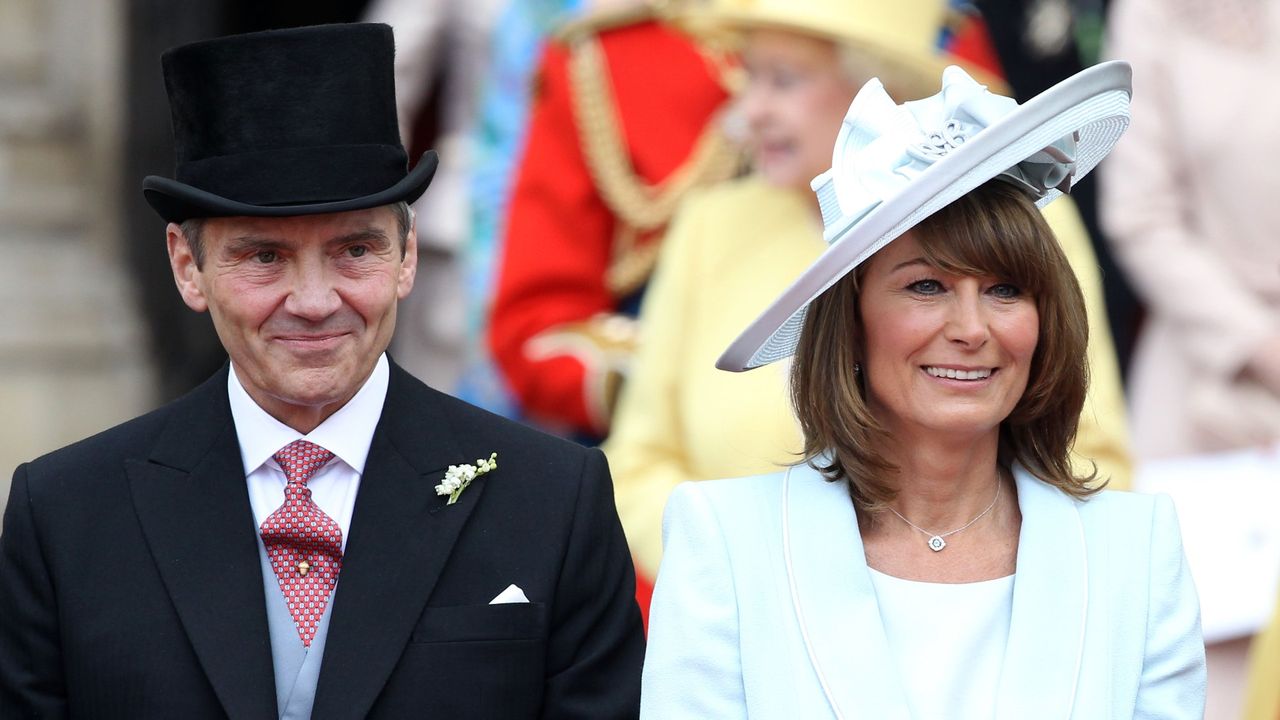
point(914, 74)
point(177, 202)
point(1093, 103)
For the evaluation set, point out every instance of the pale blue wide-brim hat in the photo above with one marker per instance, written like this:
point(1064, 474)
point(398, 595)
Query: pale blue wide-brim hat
point(895, 165)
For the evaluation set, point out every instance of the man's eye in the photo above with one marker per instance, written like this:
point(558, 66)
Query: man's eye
point(266, 257)
point(356, 251)
point(926, 287)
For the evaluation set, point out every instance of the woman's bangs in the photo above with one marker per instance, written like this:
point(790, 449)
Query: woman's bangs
point(1000, 235)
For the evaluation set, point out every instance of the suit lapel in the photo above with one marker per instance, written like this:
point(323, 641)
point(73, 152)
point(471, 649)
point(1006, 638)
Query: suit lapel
point(1050, 600)
point(402, 533)
point(835, 601)
point(193, 505)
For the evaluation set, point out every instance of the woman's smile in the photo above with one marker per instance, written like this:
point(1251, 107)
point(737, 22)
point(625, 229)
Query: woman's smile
point(945, 372)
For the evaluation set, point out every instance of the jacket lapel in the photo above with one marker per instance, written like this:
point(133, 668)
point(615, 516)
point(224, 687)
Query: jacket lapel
point(1050, 600)
point(836, 605)
point(402, 533)
point(835, 601)
point(193, 505)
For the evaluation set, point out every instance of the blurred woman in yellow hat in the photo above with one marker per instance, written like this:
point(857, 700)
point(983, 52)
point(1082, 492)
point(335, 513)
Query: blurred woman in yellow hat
point(733, 247)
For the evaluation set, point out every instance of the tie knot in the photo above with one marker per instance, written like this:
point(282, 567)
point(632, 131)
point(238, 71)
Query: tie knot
point(301, 459)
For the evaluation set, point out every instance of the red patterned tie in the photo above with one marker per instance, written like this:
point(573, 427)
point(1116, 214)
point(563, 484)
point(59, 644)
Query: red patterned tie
point(304, 544)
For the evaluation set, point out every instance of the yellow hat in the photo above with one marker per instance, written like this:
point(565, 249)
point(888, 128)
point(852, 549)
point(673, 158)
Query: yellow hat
point(898, 38)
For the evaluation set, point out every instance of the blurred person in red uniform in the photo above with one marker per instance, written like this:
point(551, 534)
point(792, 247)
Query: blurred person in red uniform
point(623, 124)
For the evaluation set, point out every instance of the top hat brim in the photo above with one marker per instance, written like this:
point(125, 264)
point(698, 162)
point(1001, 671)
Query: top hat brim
point(177, 202)
point(1092, 104)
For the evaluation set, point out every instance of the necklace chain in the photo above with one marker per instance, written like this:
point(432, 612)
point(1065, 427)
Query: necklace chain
point(936, 542)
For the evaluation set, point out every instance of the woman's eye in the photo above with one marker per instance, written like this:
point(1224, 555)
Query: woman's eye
point(266, 257)
point(925, 287)
point(356, 251)
point(785, 79)
point(1005, 291)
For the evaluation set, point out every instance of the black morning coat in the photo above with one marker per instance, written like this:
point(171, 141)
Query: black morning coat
point(131, 587)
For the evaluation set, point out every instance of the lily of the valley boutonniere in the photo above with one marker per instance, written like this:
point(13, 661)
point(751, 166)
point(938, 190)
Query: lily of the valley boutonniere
point(458, 477)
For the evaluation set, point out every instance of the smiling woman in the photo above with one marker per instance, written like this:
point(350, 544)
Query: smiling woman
point(934, 553)
point(989, 260)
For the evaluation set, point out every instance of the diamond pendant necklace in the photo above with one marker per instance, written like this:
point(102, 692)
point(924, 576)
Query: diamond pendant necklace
point(936, 542)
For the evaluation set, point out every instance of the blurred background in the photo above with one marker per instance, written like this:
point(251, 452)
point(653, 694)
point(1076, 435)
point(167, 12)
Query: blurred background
point(570, 132)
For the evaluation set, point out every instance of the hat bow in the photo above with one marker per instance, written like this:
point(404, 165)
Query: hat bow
point(883, 146)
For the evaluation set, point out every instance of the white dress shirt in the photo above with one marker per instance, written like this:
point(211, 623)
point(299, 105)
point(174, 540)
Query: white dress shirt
point(347, 434)
point(948, 642)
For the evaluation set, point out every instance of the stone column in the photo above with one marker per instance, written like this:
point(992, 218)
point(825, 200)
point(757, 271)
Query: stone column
point(71, 358)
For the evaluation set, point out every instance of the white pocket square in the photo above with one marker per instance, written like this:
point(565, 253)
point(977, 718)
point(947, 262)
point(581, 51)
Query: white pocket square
point(513, 594)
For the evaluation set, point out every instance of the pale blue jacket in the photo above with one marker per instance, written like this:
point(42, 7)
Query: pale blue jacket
point(764, 608)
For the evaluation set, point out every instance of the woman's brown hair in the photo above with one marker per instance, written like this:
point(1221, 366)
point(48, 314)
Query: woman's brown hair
point(995, 230)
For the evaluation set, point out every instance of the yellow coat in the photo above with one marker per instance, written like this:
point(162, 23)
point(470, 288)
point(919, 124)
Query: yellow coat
point(1264, 673)
point(730, 251)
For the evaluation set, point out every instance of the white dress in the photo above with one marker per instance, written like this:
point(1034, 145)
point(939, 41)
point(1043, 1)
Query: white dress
point(948, 642)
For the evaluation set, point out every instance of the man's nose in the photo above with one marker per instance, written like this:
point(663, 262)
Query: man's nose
point(314, 294)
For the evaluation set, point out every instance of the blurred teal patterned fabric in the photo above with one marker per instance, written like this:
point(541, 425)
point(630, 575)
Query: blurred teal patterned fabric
point(496, 145)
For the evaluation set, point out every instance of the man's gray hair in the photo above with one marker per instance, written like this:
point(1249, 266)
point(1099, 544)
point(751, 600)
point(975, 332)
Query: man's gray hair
point(404, 221)
point(193, 228)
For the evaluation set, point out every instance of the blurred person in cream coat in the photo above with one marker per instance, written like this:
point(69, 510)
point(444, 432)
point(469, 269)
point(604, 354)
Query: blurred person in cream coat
point(1187, 202)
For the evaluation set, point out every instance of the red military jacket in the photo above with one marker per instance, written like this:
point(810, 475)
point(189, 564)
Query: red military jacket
point(621, 126)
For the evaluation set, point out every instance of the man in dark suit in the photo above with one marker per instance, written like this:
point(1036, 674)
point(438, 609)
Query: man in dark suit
point(312, 532)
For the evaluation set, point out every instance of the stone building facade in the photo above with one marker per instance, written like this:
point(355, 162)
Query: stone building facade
point(71, 354)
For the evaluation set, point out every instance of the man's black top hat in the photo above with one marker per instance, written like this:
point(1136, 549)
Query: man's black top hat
point(285, 122)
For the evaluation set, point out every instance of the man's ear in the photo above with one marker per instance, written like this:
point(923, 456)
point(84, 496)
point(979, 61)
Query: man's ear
point(409, 265)
point(186, 274)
